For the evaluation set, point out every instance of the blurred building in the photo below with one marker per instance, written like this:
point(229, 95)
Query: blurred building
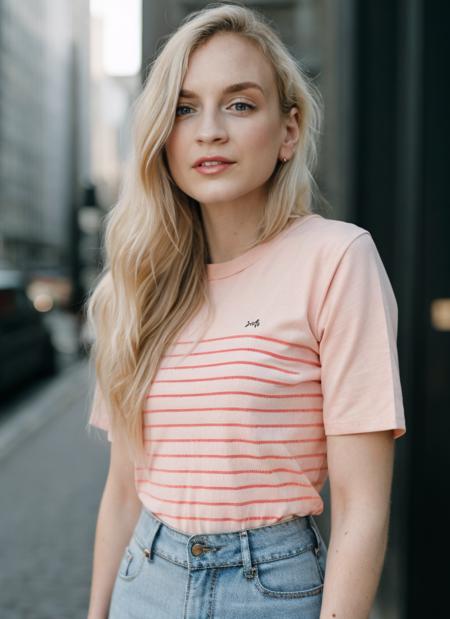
point(112, 94)
point(64, 136)
point(44, 128)
point(114, 84)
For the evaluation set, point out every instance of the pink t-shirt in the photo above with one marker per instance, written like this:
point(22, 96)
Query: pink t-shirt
point(302, 345)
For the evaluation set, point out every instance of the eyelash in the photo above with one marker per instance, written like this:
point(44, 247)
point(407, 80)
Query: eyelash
point(252, 107)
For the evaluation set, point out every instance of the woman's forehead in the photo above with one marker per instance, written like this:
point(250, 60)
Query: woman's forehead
point(224, 61)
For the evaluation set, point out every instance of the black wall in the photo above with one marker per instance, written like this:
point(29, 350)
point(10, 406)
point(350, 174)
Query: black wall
point(401, 196)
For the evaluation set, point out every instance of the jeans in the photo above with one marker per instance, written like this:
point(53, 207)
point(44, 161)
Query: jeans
point(270, 572)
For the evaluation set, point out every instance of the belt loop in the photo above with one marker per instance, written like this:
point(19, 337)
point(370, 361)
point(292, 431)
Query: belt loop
point(316, 532)
point(148, 550)
point(249, 571)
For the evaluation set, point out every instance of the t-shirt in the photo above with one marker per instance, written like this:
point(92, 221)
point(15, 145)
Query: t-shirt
point(302, 346)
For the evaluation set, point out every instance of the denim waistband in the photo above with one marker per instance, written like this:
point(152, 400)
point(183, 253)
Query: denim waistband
point(246, 547)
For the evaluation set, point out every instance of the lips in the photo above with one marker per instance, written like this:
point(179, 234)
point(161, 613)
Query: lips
point(213, 168)
point(211, 161)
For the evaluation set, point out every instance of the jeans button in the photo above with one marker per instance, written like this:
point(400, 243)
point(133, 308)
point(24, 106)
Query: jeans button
point(197, 549)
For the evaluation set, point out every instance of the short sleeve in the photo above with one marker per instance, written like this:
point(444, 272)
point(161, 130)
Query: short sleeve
point(99, 415)
point(357, 326)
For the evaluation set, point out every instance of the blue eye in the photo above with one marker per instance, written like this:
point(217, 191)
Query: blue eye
point(187, 107)
point(243, 103)
point(181, 107)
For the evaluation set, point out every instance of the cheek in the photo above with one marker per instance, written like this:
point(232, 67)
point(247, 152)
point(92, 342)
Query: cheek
point(260, 137)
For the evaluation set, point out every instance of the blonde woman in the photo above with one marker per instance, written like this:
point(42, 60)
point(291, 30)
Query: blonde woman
point(245, 349)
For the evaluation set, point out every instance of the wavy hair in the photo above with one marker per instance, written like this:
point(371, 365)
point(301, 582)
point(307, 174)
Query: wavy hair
point(154, 278)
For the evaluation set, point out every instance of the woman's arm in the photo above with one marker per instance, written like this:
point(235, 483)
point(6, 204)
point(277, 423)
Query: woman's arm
point(360, 471)
point(118, 514)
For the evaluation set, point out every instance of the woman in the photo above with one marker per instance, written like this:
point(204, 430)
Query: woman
point(245, 349)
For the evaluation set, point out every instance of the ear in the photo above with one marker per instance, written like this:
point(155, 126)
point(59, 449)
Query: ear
point(291, 132)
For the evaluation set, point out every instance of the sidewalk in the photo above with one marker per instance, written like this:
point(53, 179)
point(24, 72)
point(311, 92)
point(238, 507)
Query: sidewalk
point(51, 479)
point(41, 403)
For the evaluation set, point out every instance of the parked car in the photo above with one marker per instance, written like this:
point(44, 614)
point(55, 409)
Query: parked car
point(26, 348)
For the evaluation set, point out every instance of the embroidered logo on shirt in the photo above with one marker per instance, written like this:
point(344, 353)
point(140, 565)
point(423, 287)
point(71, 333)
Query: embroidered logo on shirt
point(253, 323)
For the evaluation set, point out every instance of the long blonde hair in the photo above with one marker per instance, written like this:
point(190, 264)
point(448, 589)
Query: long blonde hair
point(155, 253)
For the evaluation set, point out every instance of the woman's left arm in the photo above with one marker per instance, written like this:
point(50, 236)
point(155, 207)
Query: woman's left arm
point(360, 471)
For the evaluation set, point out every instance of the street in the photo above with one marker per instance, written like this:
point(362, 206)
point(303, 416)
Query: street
point(51, 479)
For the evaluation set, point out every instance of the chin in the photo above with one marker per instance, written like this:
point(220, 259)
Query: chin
point(217, 194)
point(219, 199)
point(222, 192)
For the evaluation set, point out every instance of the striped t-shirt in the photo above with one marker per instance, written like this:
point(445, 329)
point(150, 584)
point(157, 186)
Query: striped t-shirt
point(302, 345)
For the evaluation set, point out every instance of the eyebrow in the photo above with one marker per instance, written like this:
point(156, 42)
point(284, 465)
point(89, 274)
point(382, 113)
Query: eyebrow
point(232, 88)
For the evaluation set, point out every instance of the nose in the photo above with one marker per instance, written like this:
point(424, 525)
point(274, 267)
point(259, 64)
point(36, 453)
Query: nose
point(211, 127)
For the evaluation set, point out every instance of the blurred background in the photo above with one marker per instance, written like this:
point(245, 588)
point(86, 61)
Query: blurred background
point(69, 73)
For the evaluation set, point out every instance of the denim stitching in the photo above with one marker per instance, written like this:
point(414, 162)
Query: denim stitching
point(212, 594)
point(212, 564)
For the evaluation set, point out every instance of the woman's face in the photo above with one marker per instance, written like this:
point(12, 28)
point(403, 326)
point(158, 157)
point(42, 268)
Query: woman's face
point(243, 125)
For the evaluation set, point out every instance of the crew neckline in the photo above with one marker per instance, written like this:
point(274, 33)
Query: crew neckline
point(219, 270)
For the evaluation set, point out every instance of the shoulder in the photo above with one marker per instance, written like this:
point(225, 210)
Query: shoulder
point(327, 240)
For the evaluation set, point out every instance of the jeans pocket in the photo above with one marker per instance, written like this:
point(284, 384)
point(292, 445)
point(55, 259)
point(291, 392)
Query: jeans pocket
point(293, 576)
point(132, 560)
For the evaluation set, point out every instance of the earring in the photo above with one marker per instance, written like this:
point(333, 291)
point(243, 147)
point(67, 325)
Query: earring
point(283, 160)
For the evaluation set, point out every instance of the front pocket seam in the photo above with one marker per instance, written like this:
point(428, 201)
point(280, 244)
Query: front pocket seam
point(319, 568)
point(131, 556)
point(286, 594)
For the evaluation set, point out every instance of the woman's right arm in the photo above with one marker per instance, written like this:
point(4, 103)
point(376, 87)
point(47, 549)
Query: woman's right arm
point(117, 517)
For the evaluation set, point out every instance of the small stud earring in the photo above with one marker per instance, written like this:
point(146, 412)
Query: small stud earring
point(283, 160)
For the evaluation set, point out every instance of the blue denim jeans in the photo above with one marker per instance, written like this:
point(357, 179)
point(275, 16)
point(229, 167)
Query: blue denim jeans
point(270, 572)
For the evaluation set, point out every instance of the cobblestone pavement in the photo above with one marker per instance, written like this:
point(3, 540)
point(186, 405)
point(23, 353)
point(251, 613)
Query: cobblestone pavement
point(50, 486)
